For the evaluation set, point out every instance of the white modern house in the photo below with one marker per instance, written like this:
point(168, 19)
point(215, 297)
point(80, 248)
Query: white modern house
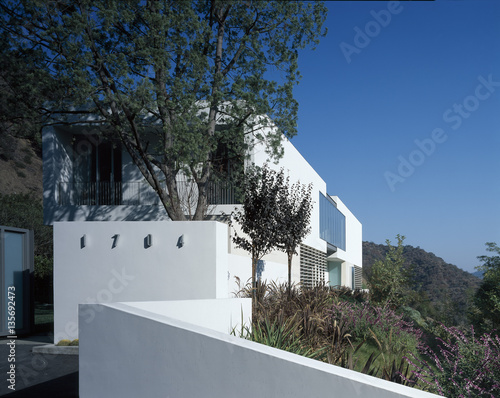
point(113, 241)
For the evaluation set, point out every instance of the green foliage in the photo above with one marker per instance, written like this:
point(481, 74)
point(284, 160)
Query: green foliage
point(464, 365)
point(25, 211)
point(307, 321)
point(63, 343)
point(280, 335)
point(26, 86)
point(44, 317)
point(67, 343)
point(293, 216)
point(257, 218)
point(43, 267)
point(438, 290)
point(184, 67)
point(380, 326)
point(485, 314)
point(274, 215)
point(389, 281)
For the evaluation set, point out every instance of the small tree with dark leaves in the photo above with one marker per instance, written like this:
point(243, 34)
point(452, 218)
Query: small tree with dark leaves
point(293, 217)
point(257, 217)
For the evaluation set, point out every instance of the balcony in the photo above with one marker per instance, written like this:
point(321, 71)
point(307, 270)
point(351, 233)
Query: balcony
point(139, 193)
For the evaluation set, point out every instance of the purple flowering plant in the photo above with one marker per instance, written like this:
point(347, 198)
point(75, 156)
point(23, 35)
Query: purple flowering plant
point(465, 365)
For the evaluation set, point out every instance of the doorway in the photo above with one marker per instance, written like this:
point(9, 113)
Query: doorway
point(16, 288)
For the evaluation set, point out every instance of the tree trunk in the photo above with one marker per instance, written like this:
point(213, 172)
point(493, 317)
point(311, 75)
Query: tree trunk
point(254, 287)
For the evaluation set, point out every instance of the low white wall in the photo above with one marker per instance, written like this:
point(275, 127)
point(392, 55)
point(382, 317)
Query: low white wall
point(128, 352)
point(108, 270)
point(222, 315)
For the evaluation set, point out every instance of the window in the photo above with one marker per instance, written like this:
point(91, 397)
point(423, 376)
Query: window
point(331, 222)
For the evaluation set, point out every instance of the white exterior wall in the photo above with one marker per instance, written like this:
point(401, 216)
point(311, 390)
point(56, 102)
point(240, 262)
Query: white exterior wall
point(202, 268)
point(102, 273)
point(241, 266)
point(130, 352)
point(298, 169)
point(57, 166)
point(57, 152)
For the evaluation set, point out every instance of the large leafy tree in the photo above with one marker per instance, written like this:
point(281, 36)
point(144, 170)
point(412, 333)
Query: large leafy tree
point(485, 314)
point(164, 76)
point(26, 86)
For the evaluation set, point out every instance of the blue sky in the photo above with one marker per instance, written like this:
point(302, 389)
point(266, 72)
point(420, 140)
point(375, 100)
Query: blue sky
point(402, 121)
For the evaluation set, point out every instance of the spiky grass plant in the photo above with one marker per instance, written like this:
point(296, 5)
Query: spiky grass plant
point(282, 336)
point(303, 313)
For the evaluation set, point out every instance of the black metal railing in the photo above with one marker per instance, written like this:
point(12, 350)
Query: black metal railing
point(140, 193)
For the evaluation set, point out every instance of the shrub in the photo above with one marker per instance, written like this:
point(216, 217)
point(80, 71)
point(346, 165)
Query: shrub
point(63, 343)
point(381, 324)
point(465, 366)
point(67, 343)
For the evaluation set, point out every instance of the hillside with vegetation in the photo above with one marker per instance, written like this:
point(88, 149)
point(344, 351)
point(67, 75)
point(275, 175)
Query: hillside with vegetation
point(20, 167)
point(440, 290)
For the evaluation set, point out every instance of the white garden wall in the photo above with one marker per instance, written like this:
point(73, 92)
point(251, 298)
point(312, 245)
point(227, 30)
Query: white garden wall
point(104, 262)
point(110, 269)
point(129, 352)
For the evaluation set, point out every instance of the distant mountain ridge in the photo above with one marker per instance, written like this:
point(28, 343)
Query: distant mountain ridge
point(447, 287)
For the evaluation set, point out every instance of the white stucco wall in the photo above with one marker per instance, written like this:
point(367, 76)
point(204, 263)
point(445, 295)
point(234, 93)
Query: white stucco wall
point(267, 270)
point(57, 166)
point(222, 315)
point(130, 271)
point(106, 270)
point(298, 169)
point(128, 352)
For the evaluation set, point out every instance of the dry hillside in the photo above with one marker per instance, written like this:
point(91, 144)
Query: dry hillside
point(20, 168)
